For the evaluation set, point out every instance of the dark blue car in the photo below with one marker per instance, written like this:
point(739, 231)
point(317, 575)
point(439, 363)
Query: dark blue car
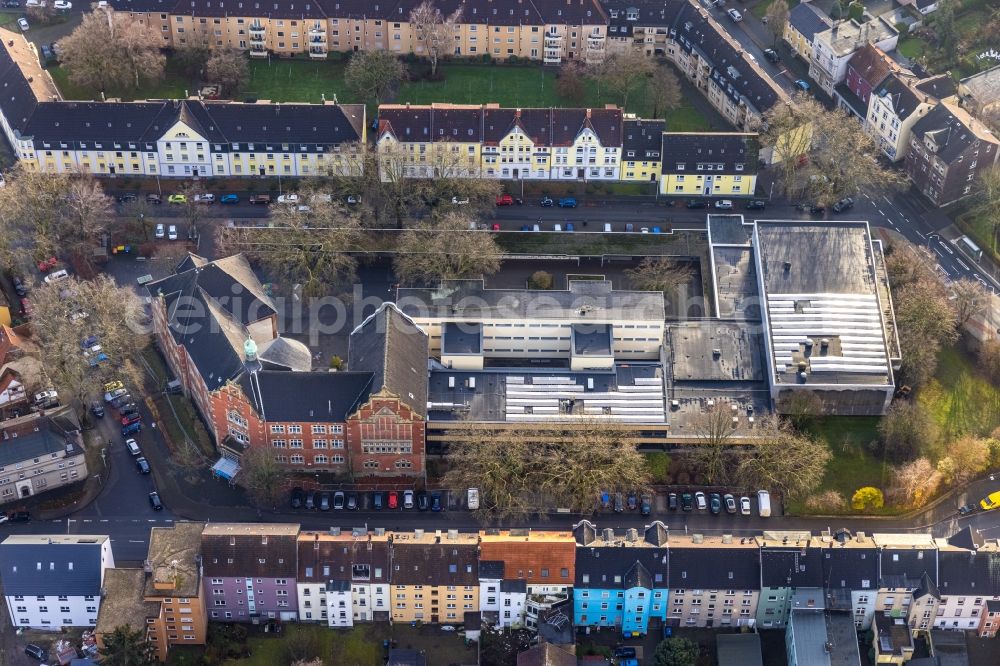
point(131, 428)
point(567, 202)
point(229, 199)
point(436, 502)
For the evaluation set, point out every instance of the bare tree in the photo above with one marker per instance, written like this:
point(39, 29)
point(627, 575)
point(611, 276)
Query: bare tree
point(194, 53)
point(570, 84)
point(66, 314)
point(624, 73)
point(228, 68)
point(967, 457)
point(801, 407)
point(660, 274)
point(522, 470)
point(110, 50)
point(663, 91)
point(446, 250)
point(925, 318)
point(373, 75)
point(820, 153)
point(783, 459)
point(907, 431)
point(777, 16)
point(261, 476)
point(434, 31)
point(914, 483)
point(970, 299)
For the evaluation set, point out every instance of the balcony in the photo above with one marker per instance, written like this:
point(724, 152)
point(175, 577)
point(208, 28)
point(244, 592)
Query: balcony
point(317, 30)
point(553, 39)
point(317, 39)
point(258, 52)
point(256, 37)
point(317, 52)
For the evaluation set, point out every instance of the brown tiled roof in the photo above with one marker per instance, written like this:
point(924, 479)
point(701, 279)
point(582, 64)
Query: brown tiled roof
point(872, 64)
point(319, 549)
point(424, 562)
point(546, 654)
point(261, 550)
point(525, 556)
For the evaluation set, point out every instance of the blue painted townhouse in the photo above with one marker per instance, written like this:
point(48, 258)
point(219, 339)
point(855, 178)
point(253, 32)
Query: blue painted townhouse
point(621, 580)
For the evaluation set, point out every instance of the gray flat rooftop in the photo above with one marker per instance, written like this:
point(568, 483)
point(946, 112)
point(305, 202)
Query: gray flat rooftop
point(632, 393)
point(592, 340)
point(693, 346)
point(736, 282)
point(728, 230)
point(821, 257)
point(843, 635)
point(462, 338)
point(592, 300)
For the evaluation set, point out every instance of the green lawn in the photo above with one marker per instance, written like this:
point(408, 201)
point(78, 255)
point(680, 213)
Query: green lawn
point(172, 86)
point(962, 401)
point(912, 47)
point(361, 646)
point(284, 80)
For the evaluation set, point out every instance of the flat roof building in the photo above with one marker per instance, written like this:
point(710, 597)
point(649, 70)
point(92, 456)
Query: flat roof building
point(828, 318)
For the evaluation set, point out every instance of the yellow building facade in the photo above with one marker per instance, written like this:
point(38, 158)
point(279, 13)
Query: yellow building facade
point(435, 576)
point(717, 164)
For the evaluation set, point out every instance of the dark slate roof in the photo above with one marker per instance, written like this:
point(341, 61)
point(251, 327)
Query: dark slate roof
point(656, 534)
point(394, 349)
point(952, 136)
point(903, 567)
point(491, 569)
point(730, 149)
point(16, 96)
point(849, 568)
point(608, 567)
point(791, 567)
point(967, 538)
point(642, 140)
point(707, 568)
point(441, 563)
point(553, 126)
point(993, 605)
point(340, 555)
point(648, 13)
point(243, 543)
point(976, 573)
point(23, 442)
point(638, 576)
point(518, 586)
point(70, 566)
point(808, 20)
point(904, 101)
point(286, 123)
point(280, 395)
point(938, 87)
point(926, 587)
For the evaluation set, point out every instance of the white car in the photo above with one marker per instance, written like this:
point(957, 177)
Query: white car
point(160, 231)
point(354, 199)
point(321, 198)
point(472, 496)
point(58, 276)
point(735, 15)
point(23, 24)
point(724, 204)
point(460, 202)
point(204, 198)
point(288, 199)
point(62, 4)
point(35, 3)
point(172, 232)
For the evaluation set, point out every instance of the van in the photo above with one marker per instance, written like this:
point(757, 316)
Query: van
point(557, 227)
point(58, 276)
point(607, 227)
point(133, 447)
point(174, 386)
point(763, 503)
point(473, 499)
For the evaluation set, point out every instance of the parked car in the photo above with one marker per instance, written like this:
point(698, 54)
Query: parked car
point(11, 4)
point(128, 197)
point(735, 15)
point(802, 85)
point(143, 465)
point(260, 199)
point(35, 652)
point(756, 204)
point(696, 203)
point(632, 501)
point(129, 419)
point(324, 501)
point(298, 497)
point(844, 204)
point(505, 200)
point(619, 502)
point(311, 499)
point(646, 505)
point(177, 199)
point(687, 501)
point(715, 503)
point(459, 202)
point(154, 501)
point(435, 501)
point(128, 409)
point(423, 501)
point(393, 499)
point(354, 199)
point(97, 409)
point(154, 199)
point(47, 398)
point(57, 276)
point(772, 56)
point(567, 202)
point(47, 54)
point(723, 204)
point(472, 498)
point(288, 199)
point(817, 209)
point(570, 227)
point(407, 499)
point(22, 23)
point(378, 500)
point(160, 232)
point(62, 4)
point(172, 232)
point(19, 287)
point(672, 501)
point(111, 395)
point(990, 502)
point(966, 509)
point(132, 447)
point(229, 199)
point(338, 500)
point(607, 227)
point(699, 500)
point(546, 202)
point(19, 517)
point(745, 509)
point(730, 503)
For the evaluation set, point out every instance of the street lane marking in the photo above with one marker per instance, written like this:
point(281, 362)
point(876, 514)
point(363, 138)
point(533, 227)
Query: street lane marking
point(134, 541)
point(962, 264)
point(936, 249)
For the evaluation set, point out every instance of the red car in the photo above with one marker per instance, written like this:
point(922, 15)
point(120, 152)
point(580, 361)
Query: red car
point(26, 307)
point(505, 200)
point(130, 419)
point(393, 499)
point(496, 226)
point(46, 265)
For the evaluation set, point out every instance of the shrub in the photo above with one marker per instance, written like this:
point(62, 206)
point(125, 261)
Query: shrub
point(540, 280)
point(867, 498)
point(826, 500)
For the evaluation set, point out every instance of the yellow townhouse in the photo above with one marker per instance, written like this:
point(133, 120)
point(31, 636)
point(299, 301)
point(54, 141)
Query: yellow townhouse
point(717, 164)
point(642, 141)
point(435, 576)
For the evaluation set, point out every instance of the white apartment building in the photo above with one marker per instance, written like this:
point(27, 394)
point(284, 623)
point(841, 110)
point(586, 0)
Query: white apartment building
point(53, 581)
point(343, 577)
point(897, 104)
point(832, 48)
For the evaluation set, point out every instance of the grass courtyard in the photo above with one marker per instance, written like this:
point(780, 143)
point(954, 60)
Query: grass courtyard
point(301, 80)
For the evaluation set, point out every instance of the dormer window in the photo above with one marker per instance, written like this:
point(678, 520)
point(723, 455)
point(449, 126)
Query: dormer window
point(739, 167)
point(631, 14)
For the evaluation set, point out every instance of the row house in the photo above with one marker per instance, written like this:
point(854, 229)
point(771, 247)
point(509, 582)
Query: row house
point(344, 577)
point(621, 581)
point(908, 571)
point(537, 569)
point(815, 636)
point(709, 164)
point(164, 600)
point(866, 70)
point(435, 576)
point(833, 48)
point(714, 581)
point(249, 571)
point(850, 574)
point(712, 61)
point(499, 29)
point(54, 581)
point(948, 151)
point(488, 141)
point(804, 22)
point(169, 138)
point(642, 143)
point(254, 388)
point(895, 106)
point(39, 452)
point(789, 563)
point(968, 585)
